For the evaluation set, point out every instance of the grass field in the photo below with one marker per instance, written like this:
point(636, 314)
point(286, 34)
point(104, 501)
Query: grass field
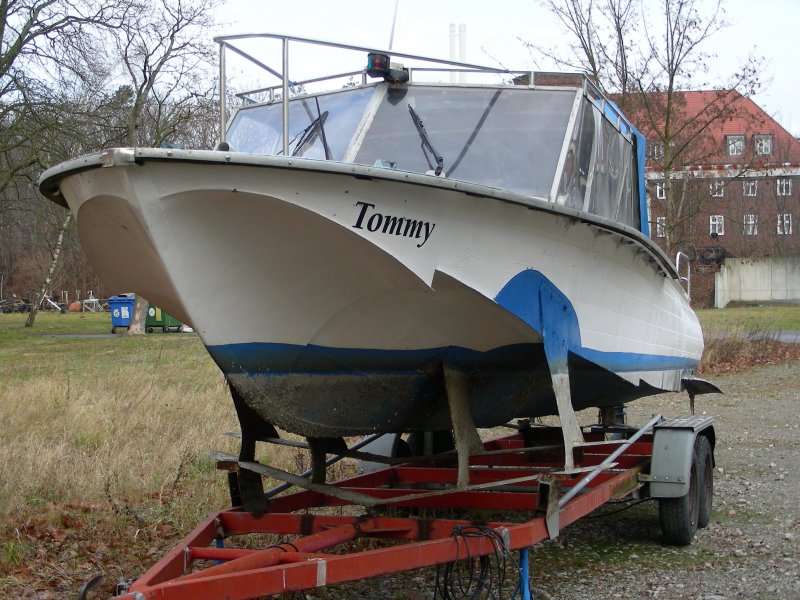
point(756, 318)
point(122, 420)
point(103, 436)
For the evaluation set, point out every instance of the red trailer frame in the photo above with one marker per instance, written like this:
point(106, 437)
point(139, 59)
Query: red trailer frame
point(519, 474)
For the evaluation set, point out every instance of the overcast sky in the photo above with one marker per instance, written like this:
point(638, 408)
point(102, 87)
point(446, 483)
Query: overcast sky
point(767, 28)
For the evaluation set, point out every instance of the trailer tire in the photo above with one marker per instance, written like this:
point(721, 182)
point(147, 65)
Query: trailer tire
point(705, 473)
point(679, 516)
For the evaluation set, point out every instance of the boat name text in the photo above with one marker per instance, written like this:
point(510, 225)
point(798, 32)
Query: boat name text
point(404, 226)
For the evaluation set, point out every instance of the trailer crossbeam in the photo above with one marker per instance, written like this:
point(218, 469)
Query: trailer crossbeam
point(304, 550)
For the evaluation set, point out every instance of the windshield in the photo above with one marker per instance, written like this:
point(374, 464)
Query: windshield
point(509, 139)
point(314, 122)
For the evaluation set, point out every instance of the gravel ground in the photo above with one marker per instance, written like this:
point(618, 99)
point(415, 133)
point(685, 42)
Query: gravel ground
point(751, 549)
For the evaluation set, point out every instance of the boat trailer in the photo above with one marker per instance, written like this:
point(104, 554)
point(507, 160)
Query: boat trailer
point(518, 495)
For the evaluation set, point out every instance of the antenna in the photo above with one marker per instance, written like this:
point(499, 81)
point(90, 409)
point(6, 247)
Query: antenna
point(394, 20)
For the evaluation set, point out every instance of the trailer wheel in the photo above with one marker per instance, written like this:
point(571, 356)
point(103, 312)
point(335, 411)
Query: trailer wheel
point(702, 452)
point(679, 516)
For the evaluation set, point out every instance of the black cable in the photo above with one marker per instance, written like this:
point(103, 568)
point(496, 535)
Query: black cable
point(630, 504)
point(471, 578)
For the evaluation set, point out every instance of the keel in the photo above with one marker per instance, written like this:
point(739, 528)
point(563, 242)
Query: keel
point(467, 440)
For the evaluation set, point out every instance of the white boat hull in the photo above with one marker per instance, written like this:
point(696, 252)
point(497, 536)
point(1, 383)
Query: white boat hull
point(332, 295)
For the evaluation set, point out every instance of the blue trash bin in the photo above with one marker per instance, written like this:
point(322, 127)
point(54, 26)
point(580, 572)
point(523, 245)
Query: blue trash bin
point(121, 308)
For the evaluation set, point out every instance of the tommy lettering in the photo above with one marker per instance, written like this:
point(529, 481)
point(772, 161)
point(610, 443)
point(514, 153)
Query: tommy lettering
point(370, 219)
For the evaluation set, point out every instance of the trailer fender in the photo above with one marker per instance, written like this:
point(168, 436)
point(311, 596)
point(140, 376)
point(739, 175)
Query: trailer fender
point(673, 447)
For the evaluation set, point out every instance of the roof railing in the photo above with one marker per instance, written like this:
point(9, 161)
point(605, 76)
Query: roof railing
point(228, 43)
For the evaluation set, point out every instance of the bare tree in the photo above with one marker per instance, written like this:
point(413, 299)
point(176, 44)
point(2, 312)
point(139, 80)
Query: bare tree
point(41, 42)
point(648, 81)
point(163, 47)
point(53, 103)
point(601, 34)
point(165, 52)
point(48, 280)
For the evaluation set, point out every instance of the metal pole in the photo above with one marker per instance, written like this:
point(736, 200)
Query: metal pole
point(285, 97)
point(1, 286)
point(332, 460)
point(223, 108)
point(524, 586)
point(611, 457)
point(394, 20)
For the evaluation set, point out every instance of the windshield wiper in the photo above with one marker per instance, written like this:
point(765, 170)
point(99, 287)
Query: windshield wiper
point(426, 142)
point(316, 126)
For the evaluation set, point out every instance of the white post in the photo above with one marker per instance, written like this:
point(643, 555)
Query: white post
point(223, 103)
point(462, 49)
point(285, 97)
point(452, 49)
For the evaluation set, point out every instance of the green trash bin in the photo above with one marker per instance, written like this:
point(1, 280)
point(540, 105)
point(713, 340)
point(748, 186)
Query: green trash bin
point(159, 319)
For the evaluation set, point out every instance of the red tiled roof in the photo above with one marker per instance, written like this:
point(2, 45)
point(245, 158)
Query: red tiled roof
point(703, 119)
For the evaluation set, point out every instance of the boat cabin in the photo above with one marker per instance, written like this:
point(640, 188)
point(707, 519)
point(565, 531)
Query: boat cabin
point(542, 136)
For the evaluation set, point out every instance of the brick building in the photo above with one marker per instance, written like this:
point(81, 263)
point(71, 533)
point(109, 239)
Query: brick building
point(727, 184)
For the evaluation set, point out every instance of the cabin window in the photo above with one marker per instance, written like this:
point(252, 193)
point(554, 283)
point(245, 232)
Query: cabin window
point(751, 224)
point(716, 225)
point(750, 187)
point(661, 227)
point(784, 187)
point(717, 189)
point(763, 144)
point(735, 145)
point(785, 224)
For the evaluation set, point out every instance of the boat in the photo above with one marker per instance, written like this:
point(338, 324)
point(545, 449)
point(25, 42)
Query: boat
point(393, 255)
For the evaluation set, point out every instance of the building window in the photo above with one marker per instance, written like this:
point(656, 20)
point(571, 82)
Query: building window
point(735, 145)
point(751, 224)
point(784, 187)
point(717, 189)
point(661, 226)
point(784, 224)
point(716, 225)
point(763, 144)
point(656, 149)
point(750, 187)
point(661, 191)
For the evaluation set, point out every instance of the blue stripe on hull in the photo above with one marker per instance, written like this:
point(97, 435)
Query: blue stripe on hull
point(256, 358)
point(536, 300)
point(325, 391)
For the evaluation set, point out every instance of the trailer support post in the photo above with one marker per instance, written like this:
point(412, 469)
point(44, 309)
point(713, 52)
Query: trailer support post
point(524, 587)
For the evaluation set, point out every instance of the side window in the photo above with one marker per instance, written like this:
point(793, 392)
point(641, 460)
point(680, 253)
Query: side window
point(735, 145)
point(661, 227)
point(716, 225)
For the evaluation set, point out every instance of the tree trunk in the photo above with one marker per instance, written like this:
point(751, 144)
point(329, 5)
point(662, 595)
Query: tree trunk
point(139, 316)
point(50, 271)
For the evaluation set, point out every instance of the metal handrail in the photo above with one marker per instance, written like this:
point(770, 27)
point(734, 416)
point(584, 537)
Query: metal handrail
point(226, 42)
point(688, 278)
point(577, 488)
